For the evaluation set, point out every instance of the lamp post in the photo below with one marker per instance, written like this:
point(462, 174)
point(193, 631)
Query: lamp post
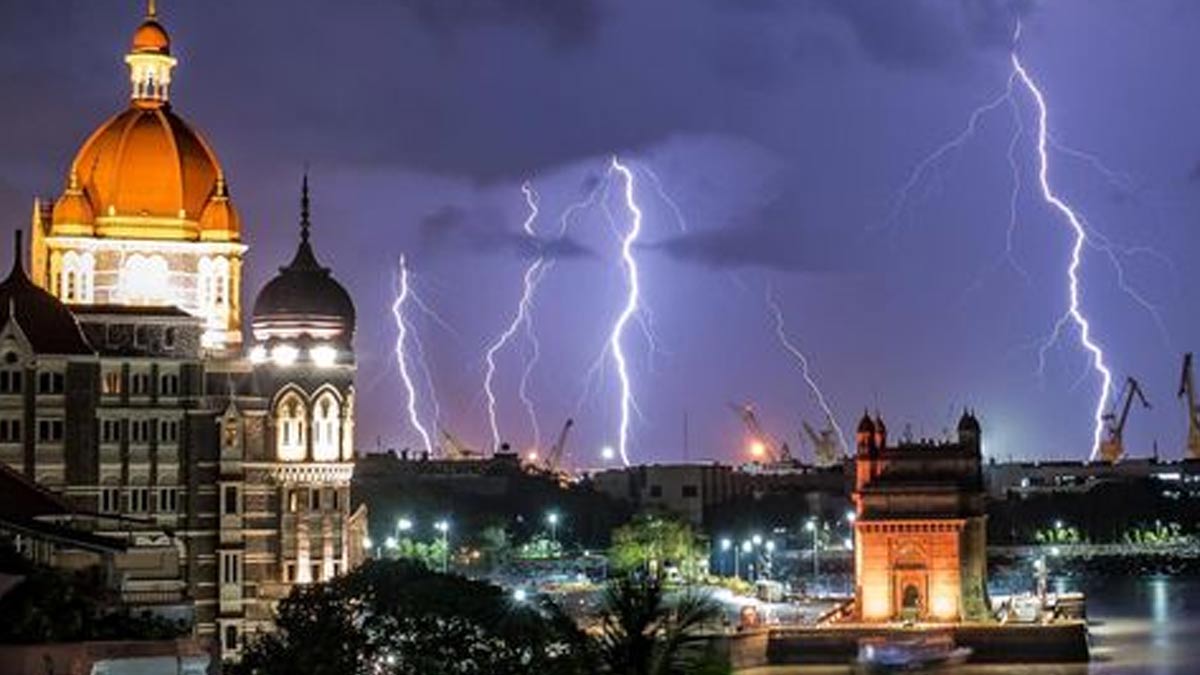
point(726, 544)
point(746, 547)
point(443, 526)
point(770, 547)
point(811, 526)
point(552, 519)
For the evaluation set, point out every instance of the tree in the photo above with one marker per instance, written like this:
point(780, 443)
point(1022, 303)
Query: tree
point(396, 617)
point(650, 542)
point(644, 633)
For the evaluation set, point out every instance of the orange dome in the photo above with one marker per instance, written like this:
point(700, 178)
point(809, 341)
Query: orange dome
point(151, 37)
point(73, 207)
point(148, 163)
point(219, 220)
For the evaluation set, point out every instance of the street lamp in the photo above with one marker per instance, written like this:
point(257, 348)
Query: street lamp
point(391, 543)
point(443, 526)
point(726, 544)
point(552, 519)
point(746, 547)
point(607, 453)
point(404, 525)
point(770, 546)
point(811, 526)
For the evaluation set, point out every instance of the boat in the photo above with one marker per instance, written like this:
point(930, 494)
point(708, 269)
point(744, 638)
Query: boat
point(894, 654)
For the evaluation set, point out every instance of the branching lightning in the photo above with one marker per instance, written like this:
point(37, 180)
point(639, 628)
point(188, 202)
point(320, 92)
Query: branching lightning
point(530, 281)
point(802, 359)
point(402, 357)
point(631, 307)
point(1074, 312)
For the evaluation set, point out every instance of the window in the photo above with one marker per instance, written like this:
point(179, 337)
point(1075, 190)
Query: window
point(110, 431)
point(655, 490)
point(168, 385)
point(337, 569)
point(139, 384)
point(141, 336)
point(229, 500)
point(690, 492)
point(139, 499)
point(111, 383)
point(169, 338)
point(145, 280)
point(314, 499)
point(50, 430)
point(50, 383)
point(231, 567)
point(289, 573)
point(10, 381)
point(229, 638)
point(316, 571)
point(77, 279)
point(325, 428)
point(140, 431)
point(10, 430)
point(292, 501)
point(168, 431)
point(110, 500)
point(168, 499)
point(336, 499)
point(289, 417)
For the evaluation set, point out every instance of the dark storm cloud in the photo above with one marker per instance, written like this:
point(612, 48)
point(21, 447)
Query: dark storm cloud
point(455, 230)
point(775, 237)
point(925, 33)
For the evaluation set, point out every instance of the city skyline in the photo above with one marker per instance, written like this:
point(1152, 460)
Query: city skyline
point(420, 138)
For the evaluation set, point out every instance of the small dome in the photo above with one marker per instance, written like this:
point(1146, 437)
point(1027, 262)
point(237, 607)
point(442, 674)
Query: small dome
point(219, 220)
point(866, 425)
point(151, 38)
point(73, 207)
point(304, 300)
point(968, 422)
point(46, 322)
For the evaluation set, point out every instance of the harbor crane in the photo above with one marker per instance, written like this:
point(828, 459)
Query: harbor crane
point(763, 447)
point(826, 450)
point(453, 448)
point(1112, 448)
point(1187, 389)
point(555, 455)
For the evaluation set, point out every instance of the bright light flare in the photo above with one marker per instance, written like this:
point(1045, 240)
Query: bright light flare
point(402, 329)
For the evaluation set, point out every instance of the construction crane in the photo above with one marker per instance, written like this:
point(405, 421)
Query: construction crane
point(554, 457)
point(1112, 449)
point(452, 448)
point(825, 444)
point(1186, 388)
point(763, 447)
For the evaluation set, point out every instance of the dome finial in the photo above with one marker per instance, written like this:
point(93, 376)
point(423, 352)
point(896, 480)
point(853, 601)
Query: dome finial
point(151, 9)
point(304, 222)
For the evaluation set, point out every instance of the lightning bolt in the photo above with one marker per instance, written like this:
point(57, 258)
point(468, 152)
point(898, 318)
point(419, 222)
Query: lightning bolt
point(402, 337)
point(802, 359)
point(1074, 313)
point(631, 307)
point(530, 281)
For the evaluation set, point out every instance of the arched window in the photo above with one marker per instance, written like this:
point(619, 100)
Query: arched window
point(77, 277)
point(213, 289)
point(289, 427)
point(145, 280)
point(326, 428)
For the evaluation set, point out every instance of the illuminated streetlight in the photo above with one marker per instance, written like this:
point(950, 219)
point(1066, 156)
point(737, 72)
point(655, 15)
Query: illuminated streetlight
point(404, 525)
point(758, 449)
point(443, 526)
point(391, 543)
point(520, 595)
point(757, 539)
point(607, 453)
point(851, 517)
point(552, 518)
point(367, 543)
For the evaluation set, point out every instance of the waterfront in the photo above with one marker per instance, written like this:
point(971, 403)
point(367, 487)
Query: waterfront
point(1147, 626)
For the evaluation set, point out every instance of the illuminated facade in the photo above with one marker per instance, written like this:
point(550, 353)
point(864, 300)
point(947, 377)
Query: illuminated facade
point(223, 468)
point(146, 218)
point(920, 534)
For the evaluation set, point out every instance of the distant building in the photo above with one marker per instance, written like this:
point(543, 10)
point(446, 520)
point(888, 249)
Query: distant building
point(920, 529)
point(220, 460)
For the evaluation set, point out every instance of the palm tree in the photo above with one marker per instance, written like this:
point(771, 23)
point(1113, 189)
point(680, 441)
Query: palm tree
point(642, 632)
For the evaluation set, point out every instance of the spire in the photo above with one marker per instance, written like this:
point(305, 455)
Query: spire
point(304, 222)
point(18, 264)
point(151, 9)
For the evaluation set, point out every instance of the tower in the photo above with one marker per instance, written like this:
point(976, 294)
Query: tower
point(145, 217)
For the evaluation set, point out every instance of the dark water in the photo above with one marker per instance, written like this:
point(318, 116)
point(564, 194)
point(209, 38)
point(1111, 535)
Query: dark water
point(1147, 626)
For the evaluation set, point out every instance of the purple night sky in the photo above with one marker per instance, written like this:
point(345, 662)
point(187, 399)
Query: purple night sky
point(782, 129)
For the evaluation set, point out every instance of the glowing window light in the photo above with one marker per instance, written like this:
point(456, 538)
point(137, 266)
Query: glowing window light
point(325, 428)
point(145, 280)
point(323, 356)
point(258, 354)
point(284, 355)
